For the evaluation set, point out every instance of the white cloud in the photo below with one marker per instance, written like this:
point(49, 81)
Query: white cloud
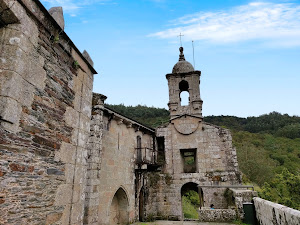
point(267, 22)
point(72, 6)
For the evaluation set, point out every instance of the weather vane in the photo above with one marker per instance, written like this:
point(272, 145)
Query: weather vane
point(180, 35)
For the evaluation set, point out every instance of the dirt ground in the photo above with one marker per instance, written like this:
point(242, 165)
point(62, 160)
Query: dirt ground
point(162, 222)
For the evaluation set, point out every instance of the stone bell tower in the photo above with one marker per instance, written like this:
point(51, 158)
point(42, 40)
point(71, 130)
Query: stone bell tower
point(184, 79)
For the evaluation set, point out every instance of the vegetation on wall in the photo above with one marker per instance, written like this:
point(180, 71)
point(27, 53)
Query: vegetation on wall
point(190, 205)
point(268, 148)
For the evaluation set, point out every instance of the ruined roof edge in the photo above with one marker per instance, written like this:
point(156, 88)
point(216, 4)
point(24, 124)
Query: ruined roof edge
point(134, 121)
point(47, 14)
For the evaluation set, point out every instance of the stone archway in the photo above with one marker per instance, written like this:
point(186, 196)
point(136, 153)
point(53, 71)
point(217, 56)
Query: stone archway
point(190, 201)
point(119, 208)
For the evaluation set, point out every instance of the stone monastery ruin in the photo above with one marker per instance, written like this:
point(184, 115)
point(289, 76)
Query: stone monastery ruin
point(65, 158)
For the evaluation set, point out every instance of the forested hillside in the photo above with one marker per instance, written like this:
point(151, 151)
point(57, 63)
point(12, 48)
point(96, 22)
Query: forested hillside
point(150, 116)
point(268, 148)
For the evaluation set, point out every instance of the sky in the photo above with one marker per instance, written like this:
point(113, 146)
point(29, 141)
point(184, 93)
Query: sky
point(247, 51)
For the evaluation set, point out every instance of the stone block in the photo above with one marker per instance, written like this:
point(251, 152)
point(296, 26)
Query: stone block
point(66, 214)
point(77, 102)
point(66, 153)
point(74, 136)
point(27, 26)
point(63, 195)
point(10, 110)
point(69, 173)
point(82, 155)
point(82, 138)
point(77, 213)
point(7, 16)
point(84, 123)
point(17, 38)
point(80, 174)
point(72, 117)
point(15, 59)
point(53, 218)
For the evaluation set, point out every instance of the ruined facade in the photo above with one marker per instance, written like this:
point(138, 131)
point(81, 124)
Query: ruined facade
point(197, 155)
point(66, 158)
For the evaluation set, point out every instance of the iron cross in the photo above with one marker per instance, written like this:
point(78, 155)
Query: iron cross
point(180, 35)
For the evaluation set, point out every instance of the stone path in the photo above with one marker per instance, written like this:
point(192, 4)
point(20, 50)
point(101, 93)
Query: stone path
point(163, 222)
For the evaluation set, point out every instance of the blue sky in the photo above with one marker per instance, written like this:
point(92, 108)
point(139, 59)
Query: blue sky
point(248, 51)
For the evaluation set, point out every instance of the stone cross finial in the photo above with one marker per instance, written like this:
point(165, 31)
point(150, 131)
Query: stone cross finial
point(181, 55)
point(180, 35)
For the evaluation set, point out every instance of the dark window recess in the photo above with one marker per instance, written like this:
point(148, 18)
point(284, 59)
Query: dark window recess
point(139, 149)
point(189, 160)
point(161, 150)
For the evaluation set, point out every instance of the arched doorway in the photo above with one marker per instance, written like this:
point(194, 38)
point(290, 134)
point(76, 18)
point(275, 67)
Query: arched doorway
point(119, 208)
point(142, 205)
point(190, 201)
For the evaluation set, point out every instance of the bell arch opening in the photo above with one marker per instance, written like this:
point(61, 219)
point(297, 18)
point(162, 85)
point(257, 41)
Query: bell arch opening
point(119, 208)
point(190, 201)
point(184, 93)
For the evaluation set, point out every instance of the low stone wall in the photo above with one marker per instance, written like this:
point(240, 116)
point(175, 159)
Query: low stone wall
point(240, 197)
point(272, 213)
point(217, 215)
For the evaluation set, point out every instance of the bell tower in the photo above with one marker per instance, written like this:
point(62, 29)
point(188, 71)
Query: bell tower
point(184, 79)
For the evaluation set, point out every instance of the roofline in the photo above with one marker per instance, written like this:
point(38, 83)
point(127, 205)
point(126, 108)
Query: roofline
point(198, 72)
point(130, 120)
point(47, 14)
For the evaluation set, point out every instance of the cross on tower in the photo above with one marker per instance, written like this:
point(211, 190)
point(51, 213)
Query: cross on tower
point(180, 35)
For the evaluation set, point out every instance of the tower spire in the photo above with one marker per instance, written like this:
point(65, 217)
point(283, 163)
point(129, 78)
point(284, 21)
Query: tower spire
point(181, 55)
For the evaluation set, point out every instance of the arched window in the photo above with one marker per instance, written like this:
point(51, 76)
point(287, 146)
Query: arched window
point(119, 208)
point(184, 93)
point(139, 148)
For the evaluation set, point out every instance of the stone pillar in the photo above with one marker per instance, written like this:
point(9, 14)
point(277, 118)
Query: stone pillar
point(94, 162)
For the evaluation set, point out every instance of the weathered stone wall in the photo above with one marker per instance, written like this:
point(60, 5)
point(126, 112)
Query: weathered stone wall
point(112, 164)
point(271, 213)
point(219, 215)
point(45, 108)
point(240, 197)
point(216, 164)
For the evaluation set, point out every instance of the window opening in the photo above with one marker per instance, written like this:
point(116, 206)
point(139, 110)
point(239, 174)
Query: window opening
point(161, 150)
point(189, 160)
point(139, 148)
point(184, 93)
point(184, 98)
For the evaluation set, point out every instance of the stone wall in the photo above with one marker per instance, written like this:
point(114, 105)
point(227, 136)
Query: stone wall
point(45, 108)
point(271, 213)
point(240, 197)
point(219, 215)
point(112, 164)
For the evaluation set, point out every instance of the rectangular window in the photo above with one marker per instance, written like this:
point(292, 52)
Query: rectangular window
point(161, 150)
point(189, 160)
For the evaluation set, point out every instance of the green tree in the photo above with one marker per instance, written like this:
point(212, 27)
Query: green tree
point(284, 189)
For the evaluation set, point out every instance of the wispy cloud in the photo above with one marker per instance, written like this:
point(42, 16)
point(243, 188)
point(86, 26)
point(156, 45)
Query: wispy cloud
point(267, 22)
point(73, 6)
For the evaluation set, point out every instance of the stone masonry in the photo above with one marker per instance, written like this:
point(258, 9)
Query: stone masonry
point(45, 110)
